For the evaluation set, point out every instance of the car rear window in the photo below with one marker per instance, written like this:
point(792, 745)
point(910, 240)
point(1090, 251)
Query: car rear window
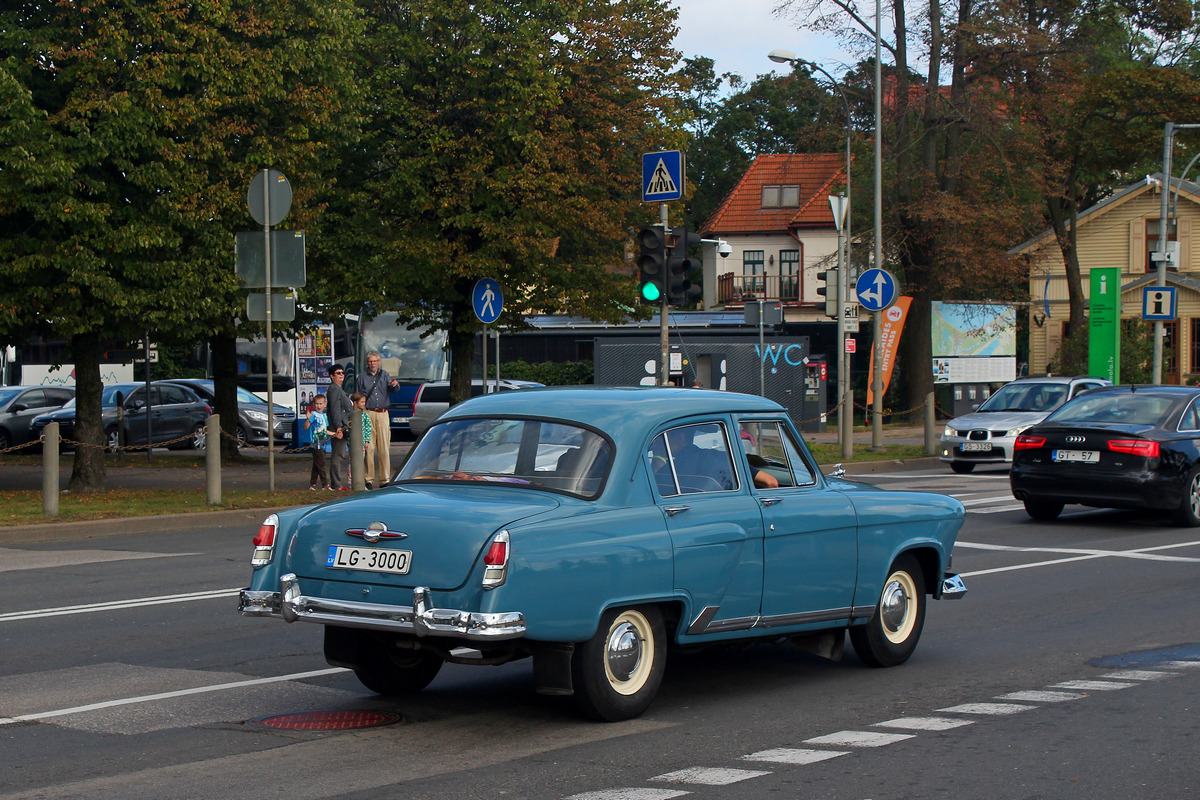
point(531, 453)
point(435, 394)
point(1128, 408)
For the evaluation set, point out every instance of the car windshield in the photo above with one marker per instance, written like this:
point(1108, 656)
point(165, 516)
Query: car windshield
point(1128, 408)
point(516, 452)
point(1027, 397)
point(8, 394)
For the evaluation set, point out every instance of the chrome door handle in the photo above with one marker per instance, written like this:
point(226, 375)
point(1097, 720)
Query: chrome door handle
point(673, 510)
point(770, 501)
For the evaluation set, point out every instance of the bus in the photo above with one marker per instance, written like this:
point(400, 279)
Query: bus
point(412, 357)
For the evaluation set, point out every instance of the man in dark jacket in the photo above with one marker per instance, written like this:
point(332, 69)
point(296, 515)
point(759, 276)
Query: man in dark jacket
point(339, 427)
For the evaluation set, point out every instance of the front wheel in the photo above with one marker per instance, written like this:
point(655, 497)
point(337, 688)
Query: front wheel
point(891, 635)
point(961, 467)
point(1044, 510)
point(617, 672)
point(1188, 512)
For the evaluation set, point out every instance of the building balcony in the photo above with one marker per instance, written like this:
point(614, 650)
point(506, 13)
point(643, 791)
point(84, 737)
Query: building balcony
point(734, 290)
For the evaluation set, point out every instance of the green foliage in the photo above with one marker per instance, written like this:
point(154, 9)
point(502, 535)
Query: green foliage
point(551, 373)
point(1137, 352)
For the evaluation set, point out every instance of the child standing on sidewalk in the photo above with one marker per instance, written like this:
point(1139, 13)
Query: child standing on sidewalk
point(318, 423)
point(360, 404)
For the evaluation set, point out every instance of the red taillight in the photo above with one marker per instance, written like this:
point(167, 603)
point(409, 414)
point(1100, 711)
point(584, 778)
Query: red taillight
point(1028, 442)
point(497, 554)
point(495, 561)
point(1135, 447)
point(208, 409)
point(264, 542)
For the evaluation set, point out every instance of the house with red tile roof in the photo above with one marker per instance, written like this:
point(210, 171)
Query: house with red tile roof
point(780, 229)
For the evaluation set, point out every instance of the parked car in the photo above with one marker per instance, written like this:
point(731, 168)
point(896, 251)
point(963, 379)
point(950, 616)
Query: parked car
point(434, 397)
point(591, 529)
point(1117, 447)
point(20, 404)
point(252, 412)
point(177, 416)
point(986, 435)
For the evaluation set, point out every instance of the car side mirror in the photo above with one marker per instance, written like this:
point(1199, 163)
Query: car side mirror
point(15, 407)
point(975, 406)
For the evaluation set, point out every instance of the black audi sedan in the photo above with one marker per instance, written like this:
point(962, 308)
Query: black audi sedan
point(1115, 447)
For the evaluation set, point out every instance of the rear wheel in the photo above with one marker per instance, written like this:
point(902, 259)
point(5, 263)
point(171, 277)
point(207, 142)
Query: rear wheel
point(1188, 513)
point(891, 635)
point(114, 440)
point(1044, 510)
point(380, 665)
point(5, 442)
point(617, 672)
point(961, 467)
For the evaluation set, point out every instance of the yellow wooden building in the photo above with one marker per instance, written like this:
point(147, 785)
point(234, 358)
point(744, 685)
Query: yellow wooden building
point(1121, 232)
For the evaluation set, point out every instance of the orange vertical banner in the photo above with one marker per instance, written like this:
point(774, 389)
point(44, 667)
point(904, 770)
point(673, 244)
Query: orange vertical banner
point(891, 328)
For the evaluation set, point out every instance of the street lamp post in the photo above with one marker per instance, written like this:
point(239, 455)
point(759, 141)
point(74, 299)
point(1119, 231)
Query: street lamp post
point(846, 412)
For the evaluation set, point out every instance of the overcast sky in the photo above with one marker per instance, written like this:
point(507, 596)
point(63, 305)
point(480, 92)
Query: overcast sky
point(738, 34)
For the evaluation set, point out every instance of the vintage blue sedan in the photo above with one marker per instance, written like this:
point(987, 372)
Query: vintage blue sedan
point(592, 528)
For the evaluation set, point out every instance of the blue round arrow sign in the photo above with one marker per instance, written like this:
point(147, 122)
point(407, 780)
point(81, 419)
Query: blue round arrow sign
point(487, 300)
point(876, 289)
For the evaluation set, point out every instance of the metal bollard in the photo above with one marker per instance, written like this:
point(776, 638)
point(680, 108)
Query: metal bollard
point(931, 438)
point(848, 442)
point(212, 459)
point(50, 471)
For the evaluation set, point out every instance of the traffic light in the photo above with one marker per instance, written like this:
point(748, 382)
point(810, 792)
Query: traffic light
point(652, 264)
point(827, 287)
point(680, 290)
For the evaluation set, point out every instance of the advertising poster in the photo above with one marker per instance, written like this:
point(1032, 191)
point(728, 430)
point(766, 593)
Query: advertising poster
point(890, 330)
point(973, 342)
point(314, 353)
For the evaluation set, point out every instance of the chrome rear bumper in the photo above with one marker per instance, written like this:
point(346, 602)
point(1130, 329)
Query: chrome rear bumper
point(953, 587)
point(291, 605)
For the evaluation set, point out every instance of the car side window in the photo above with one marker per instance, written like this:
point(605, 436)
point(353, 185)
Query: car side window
point(693, 459)
point(173, 394)
point(1190, 421)
point(35, 398)
point(771, 451)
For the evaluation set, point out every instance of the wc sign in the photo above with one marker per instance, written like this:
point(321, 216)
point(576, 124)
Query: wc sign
point(1158, 303)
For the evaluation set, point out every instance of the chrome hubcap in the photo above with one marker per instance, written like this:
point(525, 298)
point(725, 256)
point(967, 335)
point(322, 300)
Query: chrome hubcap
point(624, 651)
point(1195, 496)
point(893, 606)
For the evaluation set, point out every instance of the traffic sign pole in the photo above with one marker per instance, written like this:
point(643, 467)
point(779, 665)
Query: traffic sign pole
point(664, 340)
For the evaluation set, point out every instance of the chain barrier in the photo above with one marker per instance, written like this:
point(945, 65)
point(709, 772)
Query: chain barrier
point(17, 447)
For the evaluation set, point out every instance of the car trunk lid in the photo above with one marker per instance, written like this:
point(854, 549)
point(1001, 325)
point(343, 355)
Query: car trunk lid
point(443, 529)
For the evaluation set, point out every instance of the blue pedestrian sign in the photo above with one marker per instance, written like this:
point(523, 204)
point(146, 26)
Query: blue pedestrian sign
point(662, 176)
point(487, 300)
point(1158, 303)
point(876, 289)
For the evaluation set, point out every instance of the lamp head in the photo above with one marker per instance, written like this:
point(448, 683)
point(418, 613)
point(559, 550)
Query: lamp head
point(781, 56)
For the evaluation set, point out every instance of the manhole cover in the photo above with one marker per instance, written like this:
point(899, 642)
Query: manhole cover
point(327, 720)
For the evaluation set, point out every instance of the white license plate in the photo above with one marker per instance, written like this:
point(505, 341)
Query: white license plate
point(287, 434)
point(1084, 456)
point(976, 446)
point(369, 559)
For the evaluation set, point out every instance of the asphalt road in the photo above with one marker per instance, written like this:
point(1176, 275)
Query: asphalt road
point(1070, 670)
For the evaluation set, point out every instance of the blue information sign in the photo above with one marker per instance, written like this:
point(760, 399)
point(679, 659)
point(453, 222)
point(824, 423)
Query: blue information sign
point(487, 300)
point(1158, 303)
point(662, 176)
point(876, 289)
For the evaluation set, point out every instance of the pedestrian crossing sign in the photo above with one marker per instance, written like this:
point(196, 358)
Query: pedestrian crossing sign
point(662, 176)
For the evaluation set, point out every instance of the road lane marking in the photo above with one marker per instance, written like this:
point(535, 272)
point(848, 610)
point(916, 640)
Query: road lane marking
point(794, 755)
point(114, 605)
point(629, 794)
point(989, 709)
point(925, 723)
point(1092, 686)
point(709, 776)
point(1144, 553)
point(1042, 697)
point(149, 698)
point(860, 738)
point(1138, 675)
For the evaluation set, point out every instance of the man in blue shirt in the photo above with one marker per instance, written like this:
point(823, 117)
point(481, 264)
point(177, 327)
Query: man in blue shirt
point(375, 384)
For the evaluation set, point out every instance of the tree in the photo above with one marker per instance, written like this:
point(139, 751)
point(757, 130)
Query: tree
point(504, 141)
point(128, 132)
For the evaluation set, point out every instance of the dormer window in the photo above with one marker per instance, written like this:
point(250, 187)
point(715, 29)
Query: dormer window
point(781, 196)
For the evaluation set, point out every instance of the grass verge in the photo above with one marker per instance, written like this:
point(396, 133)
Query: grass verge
point(25, 507)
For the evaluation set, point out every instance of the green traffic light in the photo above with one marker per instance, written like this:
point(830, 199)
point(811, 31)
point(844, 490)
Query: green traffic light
point(650, 291)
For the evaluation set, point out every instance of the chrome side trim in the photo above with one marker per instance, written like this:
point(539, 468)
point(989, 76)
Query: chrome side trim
point(953, 587)
point(704, 621)
point(292, 606)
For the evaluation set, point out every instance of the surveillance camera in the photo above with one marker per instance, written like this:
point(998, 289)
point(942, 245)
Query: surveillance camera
point(723, 249)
